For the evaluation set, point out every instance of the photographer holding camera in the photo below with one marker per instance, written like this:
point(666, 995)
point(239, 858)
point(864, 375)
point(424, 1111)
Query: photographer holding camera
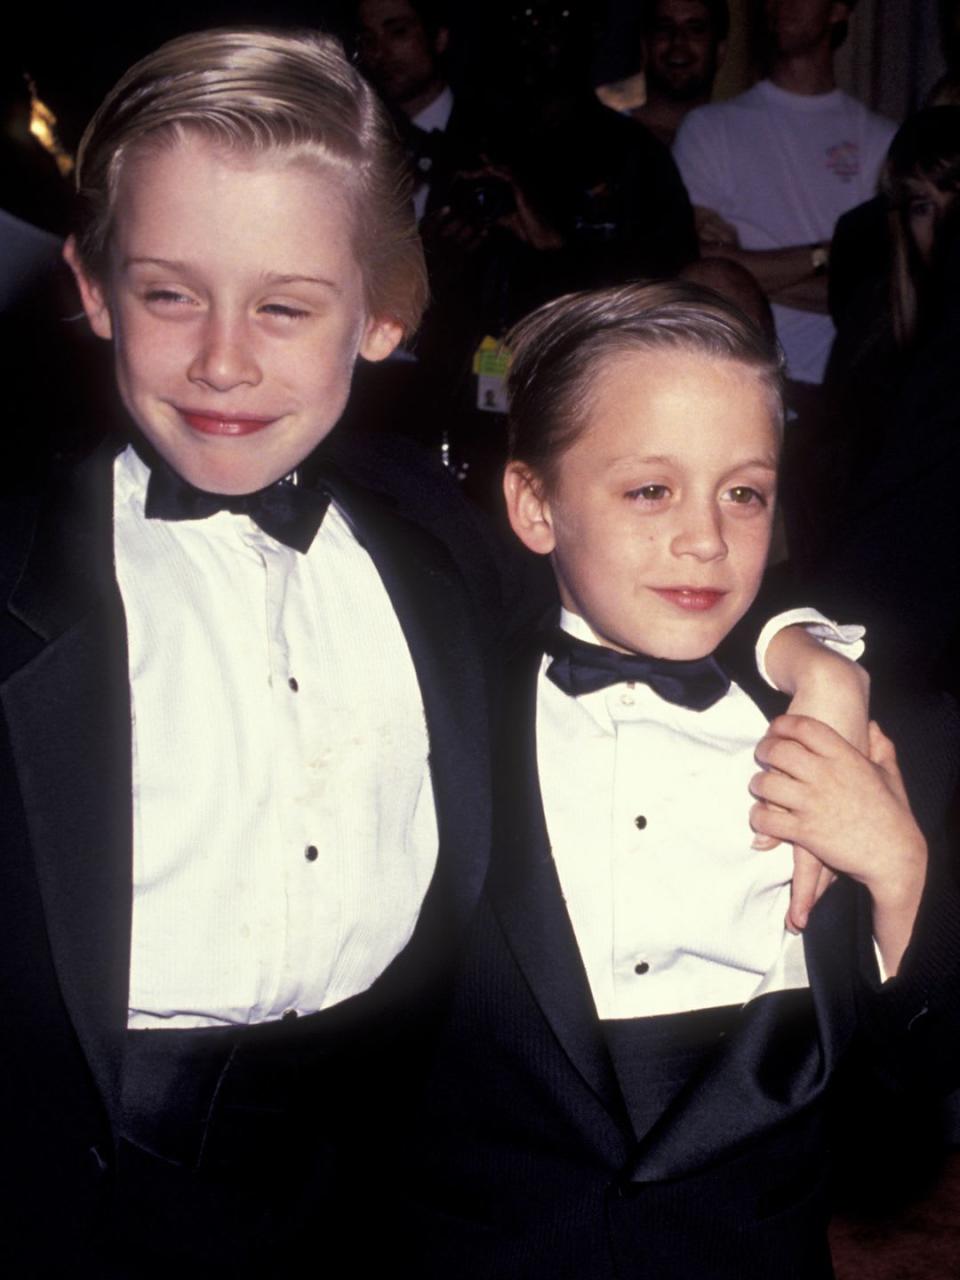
point(534, 193)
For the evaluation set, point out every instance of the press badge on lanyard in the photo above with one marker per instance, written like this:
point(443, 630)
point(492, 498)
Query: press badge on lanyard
point(491, 363)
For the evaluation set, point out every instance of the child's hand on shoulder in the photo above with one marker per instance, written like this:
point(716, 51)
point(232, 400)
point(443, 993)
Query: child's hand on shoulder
point(850, 809)
point(830, 688)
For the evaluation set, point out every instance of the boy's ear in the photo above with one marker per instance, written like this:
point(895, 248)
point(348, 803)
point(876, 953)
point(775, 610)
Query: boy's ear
point(381, 336)
point(92, 294)
point(528, 509)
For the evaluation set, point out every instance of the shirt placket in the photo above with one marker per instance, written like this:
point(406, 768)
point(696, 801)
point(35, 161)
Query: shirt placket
point(632, 837)
point(292, 850)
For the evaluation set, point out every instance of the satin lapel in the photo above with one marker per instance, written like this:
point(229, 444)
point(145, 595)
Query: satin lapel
point(775, 1063)
point(779, 1057)
point(428, 597)
point(526, 894)
point(69, 720)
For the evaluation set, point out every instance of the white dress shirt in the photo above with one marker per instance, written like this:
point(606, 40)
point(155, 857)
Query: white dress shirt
point(284, 829)
point(647, 809)
point(434, 116)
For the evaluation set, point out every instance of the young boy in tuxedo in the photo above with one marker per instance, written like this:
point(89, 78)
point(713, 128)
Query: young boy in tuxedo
point(633, 1077)
point(245, 792)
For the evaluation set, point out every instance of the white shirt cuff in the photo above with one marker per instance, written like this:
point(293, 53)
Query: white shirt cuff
point(884, 976)
point(845, 639)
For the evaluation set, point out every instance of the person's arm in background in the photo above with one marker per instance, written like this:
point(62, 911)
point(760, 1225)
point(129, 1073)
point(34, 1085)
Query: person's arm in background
point(794, 275)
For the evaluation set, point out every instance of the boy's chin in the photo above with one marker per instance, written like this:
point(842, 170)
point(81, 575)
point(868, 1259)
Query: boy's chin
point(682, 654)
point(683, 640)
point(669, 651)
point(226, 470)
point(689, 641)
point(675, 643)
point(687, 649)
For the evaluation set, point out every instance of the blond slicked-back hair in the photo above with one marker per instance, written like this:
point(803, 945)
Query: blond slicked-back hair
point(259, 92)
point(559, 350)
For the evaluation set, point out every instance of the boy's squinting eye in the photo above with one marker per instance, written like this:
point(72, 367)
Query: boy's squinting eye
point(166, 297)
point(283, 311)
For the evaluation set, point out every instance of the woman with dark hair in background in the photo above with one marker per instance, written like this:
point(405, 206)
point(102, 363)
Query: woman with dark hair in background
point(920, 181)
point(893, 518)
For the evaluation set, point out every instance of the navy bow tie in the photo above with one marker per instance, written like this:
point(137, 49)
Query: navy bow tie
point(286, 511)
point(579, 667)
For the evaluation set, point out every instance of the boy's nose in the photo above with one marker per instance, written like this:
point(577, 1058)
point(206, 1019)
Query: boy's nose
point(225, 357)
point(700, 534)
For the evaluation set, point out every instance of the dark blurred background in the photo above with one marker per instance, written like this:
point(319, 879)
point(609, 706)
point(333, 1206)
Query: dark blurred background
point(75, 52)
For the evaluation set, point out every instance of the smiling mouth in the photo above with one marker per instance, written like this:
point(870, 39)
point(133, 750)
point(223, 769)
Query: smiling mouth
point(223, 424)
point(694, 599)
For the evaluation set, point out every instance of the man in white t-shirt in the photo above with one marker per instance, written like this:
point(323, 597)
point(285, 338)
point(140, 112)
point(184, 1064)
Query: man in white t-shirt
point(771, 171)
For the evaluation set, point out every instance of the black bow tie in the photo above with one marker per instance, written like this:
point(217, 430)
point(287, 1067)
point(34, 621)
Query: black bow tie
point(286, 511)
point(579, 667)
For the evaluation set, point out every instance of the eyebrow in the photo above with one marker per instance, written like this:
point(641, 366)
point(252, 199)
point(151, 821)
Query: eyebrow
point(762, 464)
point(665, 460)
point(268, 277)
point(273, 277)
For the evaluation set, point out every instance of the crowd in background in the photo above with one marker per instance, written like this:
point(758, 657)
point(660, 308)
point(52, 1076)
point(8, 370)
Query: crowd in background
point(529, 184)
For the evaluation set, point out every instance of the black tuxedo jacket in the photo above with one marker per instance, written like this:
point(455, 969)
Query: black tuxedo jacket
point(65, 802)
point(525, 1160)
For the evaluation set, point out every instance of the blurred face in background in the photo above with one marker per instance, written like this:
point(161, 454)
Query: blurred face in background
point(801, 26)
point(399, 54)
point(682, 51)
point(550, 44)
point(926, 209)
